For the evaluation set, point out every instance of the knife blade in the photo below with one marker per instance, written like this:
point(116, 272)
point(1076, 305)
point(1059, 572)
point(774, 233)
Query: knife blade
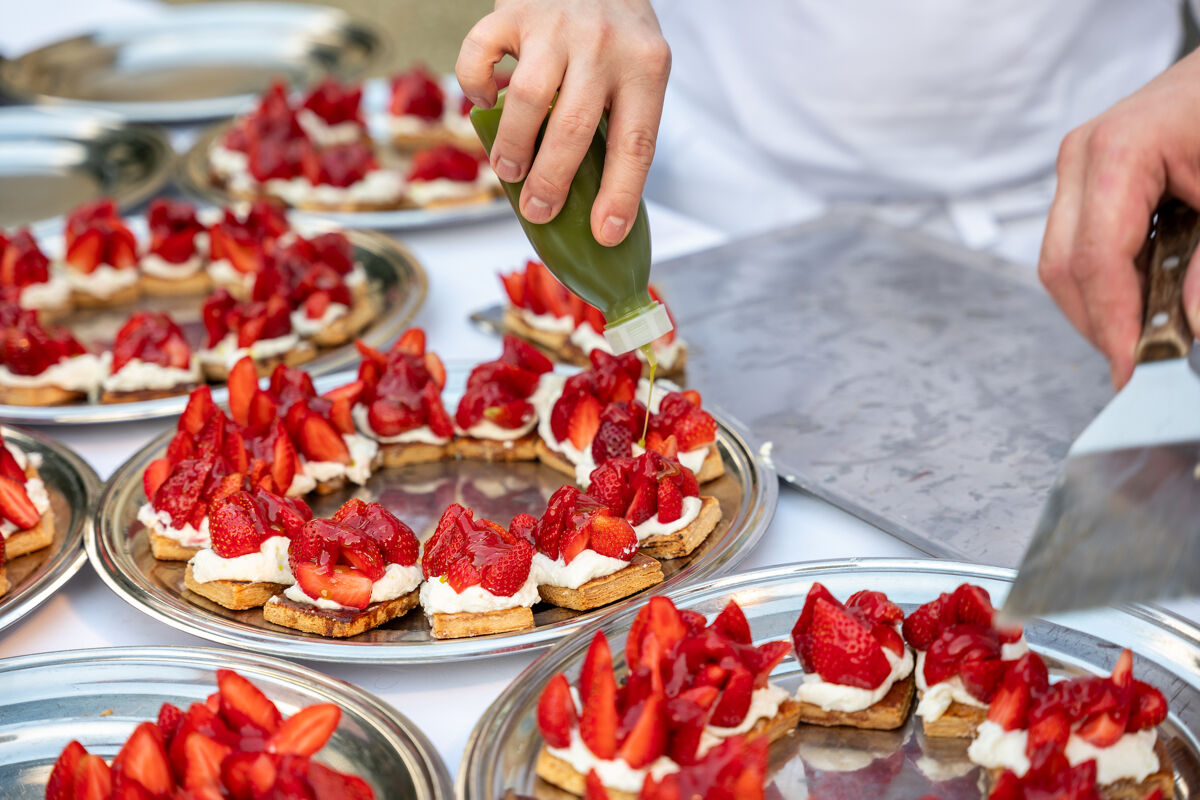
point(1122, 523)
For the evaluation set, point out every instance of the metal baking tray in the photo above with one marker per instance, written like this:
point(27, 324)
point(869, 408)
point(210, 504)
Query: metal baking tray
point(391, 267)
point(193, 177)
point(846, 762)
point(120, 551)
point(100, 696)
point(72, 486)
point(193, 62)
point(53, 159)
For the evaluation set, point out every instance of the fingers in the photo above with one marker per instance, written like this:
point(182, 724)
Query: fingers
point(490, 40)
point(569, 133)
point(632, 133)
point(1120, 193)
point(1054, 262)
point(537, 77)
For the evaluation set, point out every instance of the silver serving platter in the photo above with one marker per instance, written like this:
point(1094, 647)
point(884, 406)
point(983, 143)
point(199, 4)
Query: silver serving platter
point(119, 550)
point(845, 762)
point(100, 696)
point(401, 286)
point(72, 486)
point(53, 159)
point(192, 176)
point(193, 62)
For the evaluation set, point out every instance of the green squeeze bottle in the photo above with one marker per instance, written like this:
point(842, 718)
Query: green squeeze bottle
point(613, 279)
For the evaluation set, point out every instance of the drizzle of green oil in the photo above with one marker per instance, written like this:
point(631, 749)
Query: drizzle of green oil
point(652, 360)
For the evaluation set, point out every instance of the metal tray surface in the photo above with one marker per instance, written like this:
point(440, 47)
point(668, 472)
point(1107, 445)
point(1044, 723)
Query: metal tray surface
point(846, 762)
point(120, 552)
point(53, 159)
point(192, 176)
point(402, 288)
point(100, 696)
point(193, 62)
point(72, 486)
point(927, 389)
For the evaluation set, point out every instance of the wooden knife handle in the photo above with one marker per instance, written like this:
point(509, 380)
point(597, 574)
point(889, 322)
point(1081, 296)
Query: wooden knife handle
point(1173, 236)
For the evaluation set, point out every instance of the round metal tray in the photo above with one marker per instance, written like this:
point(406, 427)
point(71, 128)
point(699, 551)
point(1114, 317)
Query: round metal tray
point(53, 159)
point(193, 62)
point(72, 486)
point(100, 696)
point(402, 287)
point(503, 748)
point(119, 550)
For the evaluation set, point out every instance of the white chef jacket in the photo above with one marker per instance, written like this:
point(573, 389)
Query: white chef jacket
point(780, 109)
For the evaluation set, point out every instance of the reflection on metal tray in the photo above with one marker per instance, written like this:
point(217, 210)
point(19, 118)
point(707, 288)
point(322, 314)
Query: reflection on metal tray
point(71, 485)
point(193, 62)
point(193, 176)
point(53, 159)
point(100, 696)
point(120, 551)
point(930, 390)
point(846, 762)
point(400, 287)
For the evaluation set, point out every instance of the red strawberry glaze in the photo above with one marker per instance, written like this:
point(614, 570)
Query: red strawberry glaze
point(575, 522)
point(334, 102)
point(21, 260)
point(152, 337)
point(26, 347)
point(444, 161)
point(97, 236)
point(249, 321)
point(173, 229)
point(651, 486)
point(417, 93)
point(499, 391)
point(401, 390)
point(465, 552)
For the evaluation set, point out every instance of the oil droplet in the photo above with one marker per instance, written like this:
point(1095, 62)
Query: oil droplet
point(652, 360)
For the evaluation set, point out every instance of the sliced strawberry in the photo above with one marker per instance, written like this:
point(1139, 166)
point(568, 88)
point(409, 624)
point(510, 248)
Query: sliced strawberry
point(200, 407)
point(412, 341)
point(982, 678)
point(1101, 730)
point(612, 536)
point(514, 286)
point(283, 465)
point(660, 617)
point(61, 783)
point(973, 606)
point(341, 417)
point(842, 650)
point(93, 779)
point(144, 759)
point(86, 252)
point(169, 718)
point(1149, 707)
point(556, 714)
point(643, 505)
point(236, 525)
point(437, 370)
point(439, 421)
point(248, 774)
point(593, 788)
point(242, 703)
point(340, 584)
point(16, 506)
point(320, 441)
point(1010, 705)
point(696, 429)
point(584, 422)
point(243, 384)
point(156, 472)
point(508, 571)
point(874, 607)
point(732, 623)
point(670, 502)
point(731, 709)
point(598, 690)
point(1053, 730)
point(924, 624)
point(306, 731)
point(203, 770)
point(647, 739)
point(330, 785)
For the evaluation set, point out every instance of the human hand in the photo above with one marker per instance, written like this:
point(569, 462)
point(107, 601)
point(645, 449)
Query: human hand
point(595, 54)
point(1112, 171)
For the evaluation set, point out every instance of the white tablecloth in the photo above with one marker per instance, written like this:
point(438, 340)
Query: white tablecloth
point(444, 700)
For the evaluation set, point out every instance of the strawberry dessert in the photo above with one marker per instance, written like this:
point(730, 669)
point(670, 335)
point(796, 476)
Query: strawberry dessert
point(260, 329)
point(325, 308)
point(331, 114)
point(353, 572)
point(478, 577)
point(247, 558)
point(657, 495)
point(961, 658)
point(495, 418)
point(24, 267)
point(570, 409)
point(587, 555)
point(445, 175)
point(342, 177)
point(150, 358)
point(234, 745)
point(1108, 720)
point(679, 414)
point(857, 670)
point(273, 119)
point(416, 108)
point(101, 257)
point(174, 260)
point(239, 243)
point(310, 437)
point(26, 519)
point(43, 366)
point(400, 402)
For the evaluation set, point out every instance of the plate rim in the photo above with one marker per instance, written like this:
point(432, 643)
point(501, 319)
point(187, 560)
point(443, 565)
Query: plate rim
point(389, 328)
point(438, 785)
point(762, 486)
point(190, 162)
point(468, 773)
point(188, 111)
point(15, 607)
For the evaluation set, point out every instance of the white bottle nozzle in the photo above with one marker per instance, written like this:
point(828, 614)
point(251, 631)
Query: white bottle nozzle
point(639, 330)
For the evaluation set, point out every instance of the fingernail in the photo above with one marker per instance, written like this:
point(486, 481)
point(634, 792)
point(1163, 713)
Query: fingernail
point(612, 231)
point(508, 170)
point(479, 100)
point(537, 210)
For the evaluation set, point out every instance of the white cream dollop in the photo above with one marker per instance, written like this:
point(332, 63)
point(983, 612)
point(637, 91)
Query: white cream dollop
point(439, 597)
point(103, 282)
point(54, 293)
point(397, 580)
point(136, 375)
point(268, 565)
point(36, 490)
point(587, 565)
point(424, 434)
point(652, 527)
point(362, 461)
point(160, 523)
point(81, 373)
point(837, 697)
point(307, 326)
point(228, 353)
